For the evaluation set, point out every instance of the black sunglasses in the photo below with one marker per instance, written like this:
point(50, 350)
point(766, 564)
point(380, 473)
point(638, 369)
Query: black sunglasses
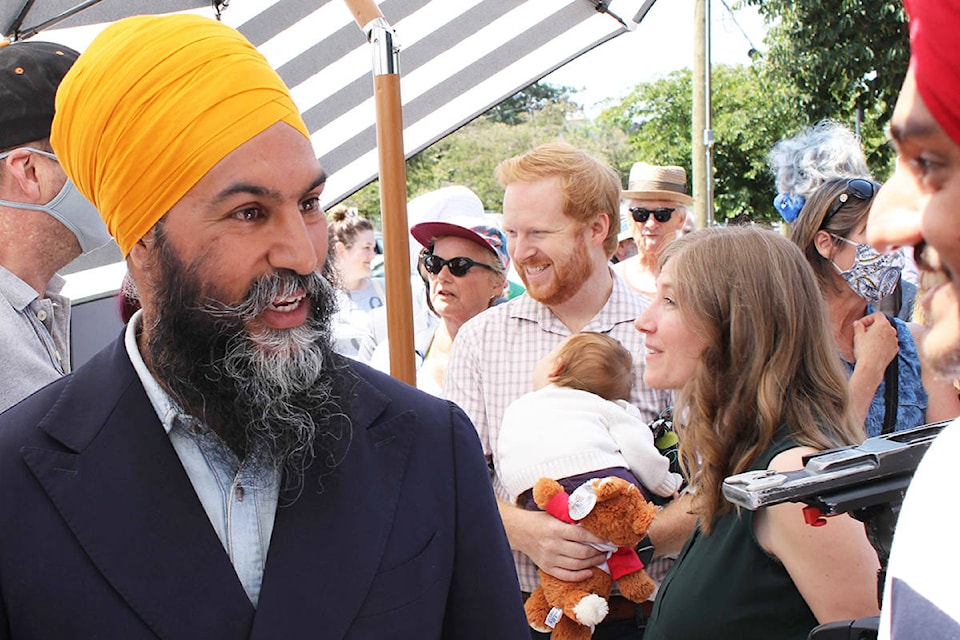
point(859, 188)
point(458, 266)
point(641, 214)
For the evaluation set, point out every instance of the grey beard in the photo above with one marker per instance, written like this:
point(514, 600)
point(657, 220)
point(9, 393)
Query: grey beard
point(282, 377)
point(280, 361)
point(275, 395)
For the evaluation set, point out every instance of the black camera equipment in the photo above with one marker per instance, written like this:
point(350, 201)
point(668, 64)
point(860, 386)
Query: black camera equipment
point(868, 481)
point(666, 440)
point(668, 444)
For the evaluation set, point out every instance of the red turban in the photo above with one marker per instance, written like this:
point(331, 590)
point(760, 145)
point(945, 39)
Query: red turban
point(935, 59)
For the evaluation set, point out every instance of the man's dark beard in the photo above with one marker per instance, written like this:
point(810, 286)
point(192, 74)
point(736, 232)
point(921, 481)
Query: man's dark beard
point(273, 394)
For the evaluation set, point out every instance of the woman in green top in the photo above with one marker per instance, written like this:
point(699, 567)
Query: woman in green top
point(738, 329)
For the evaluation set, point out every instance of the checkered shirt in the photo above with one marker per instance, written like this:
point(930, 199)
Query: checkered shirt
point(492, 364)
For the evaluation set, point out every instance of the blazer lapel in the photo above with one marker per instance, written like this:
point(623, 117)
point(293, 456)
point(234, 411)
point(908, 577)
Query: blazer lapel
point(326, 546)
point(125, 496)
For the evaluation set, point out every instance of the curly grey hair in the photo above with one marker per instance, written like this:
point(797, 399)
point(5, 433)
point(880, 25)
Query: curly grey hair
point(826, 151)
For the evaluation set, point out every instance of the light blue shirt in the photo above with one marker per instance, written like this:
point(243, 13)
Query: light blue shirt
point(911, 396)
point(239, 497)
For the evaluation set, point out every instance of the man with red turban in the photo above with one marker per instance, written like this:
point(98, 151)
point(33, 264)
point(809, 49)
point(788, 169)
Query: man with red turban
point(219, 472)
point(920, 206)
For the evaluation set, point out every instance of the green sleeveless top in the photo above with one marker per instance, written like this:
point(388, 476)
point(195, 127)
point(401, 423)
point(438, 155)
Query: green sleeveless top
point(725, 586)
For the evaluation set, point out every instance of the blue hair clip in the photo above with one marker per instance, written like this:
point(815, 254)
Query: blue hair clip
point(789, 205)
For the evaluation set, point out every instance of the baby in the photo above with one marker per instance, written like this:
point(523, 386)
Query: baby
point(577, 424)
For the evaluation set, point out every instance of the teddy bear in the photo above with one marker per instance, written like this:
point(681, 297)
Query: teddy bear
point(614, 510)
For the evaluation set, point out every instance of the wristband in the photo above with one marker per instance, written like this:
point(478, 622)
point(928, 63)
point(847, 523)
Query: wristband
point(645, 550)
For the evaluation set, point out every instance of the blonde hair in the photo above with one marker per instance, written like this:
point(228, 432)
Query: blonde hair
point(588, 185)
point(769, 360)
point(596, 363)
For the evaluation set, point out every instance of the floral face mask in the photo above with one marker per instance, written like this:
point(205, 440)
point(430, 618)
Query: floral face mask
point(873, 275)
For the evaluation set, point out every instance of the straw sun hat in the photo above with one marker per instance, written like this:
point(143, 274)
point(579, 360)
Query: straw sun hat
point(650, 182)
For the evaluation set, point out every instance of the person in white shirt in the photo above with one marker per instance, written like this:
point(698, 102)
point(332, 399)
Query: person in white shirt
point(463, 264)
point(919, 206)
point(352, 245)
point(577, 424)
point(657, 206)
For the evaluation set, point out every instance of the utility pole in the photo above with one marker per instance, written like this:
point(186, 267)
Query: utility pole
point(702, 134)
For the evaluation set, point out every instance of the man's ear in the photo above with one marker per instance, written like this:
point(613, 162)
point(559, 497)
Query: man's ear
point(825, 244)
point(141, 256)
point(21, 169)
point(599, 228)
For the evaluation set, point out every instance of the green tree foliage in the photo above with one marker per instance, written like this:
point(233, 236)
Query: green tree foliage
point(840, 56)
point(518, 107)
point(367, 202)
point(469, 156)
point(751, 113)
point(842, 59)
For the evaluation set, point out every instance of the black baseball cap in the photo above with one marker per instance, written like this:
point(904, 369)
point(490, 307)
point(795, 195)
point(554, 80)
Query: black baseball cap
point(30, 73)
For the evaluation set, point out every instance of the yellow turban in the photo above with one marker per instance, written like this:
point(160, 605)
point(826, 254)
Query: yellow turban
point(152, 105)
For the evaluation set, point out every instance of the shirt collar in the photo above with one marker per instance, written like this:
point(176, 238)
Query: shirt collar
point(167, 410)
point(623, 305)
point(19, 294)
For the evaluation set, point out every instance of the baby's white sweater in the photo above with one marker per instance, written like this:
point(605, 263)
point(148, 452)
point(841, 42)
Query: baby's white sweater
point(558, 432)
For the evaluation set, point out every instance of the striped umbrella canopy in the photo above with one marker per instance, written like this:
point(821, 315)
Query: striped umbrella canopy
point(458, 58)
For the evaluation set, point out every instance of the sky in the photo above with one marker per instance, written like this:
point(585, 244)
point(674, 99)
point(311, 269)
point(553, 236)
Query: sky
point(663, 42)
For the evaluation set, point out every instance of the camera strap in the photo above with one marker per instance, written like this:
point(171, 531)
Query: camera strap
point(891, 390)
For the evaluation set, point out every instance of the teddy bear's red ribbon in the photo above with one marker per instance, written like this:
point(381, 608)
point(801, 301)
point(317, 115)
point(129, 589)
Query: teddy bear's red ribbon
point(624, 561)
point(559, 507)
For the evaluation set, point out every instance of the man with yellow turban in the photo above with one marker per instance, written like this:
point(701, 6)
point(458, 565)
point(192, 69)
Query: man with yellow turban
point(218, 472)
point(920, 206)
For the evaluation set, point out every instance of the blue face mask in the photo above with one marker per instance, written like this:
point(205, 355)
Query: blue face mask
point(873, 275)
point(69, 207)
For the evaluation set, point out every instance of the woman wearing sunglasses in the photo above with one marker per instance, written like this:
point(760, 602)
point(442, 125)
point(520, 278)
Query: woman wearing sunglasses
point(888, 387)
point(463, 263)
point(656, 212)
point(466, 274)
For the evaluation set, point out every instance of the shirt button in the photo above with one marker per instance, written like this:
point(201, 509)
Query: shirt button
point(41, 315)
point(239, 493)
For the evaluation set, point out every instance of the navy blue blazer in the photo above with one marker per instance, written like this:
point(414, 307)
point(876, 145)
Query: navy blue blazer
point(102, 534)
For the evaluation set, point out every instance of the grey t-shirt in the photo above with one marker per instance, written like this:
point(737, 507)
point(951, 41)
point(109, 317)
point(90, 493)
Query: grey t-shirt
point(351, 323)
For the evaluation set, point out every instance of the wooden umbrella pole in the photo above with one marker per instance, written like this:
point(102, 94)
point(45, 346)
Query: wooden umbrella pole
point(393, 187)
point(396, 249)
